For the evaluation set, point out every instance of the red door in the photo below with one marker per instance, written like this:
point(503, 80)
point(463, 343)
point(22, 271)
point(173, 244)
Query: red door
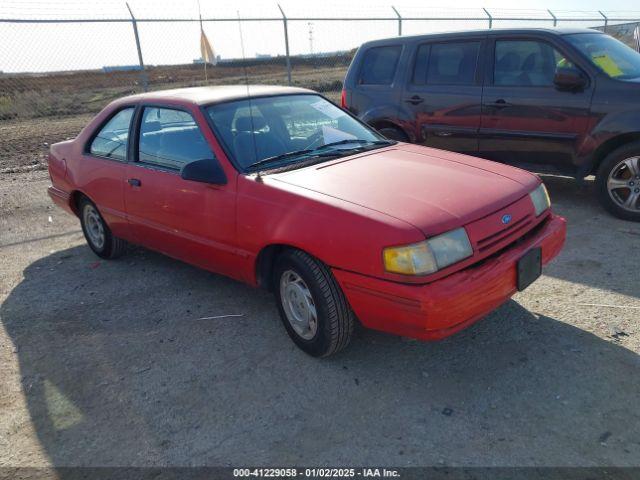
point(191, 221)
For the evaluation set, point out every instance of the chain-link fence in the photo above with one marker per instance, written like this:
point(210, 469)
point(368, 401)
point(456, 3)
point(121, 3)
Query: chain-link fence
point(58, 68)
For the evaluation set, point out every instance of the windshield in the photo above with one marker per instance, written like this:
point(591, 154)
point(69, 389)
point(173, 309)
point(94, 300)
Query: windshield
point(611, 56)
point(287, 127)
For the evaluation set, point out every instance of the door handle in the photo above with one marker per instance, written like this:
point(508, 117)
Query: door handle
point(415, 100)
point(134, 182)
point(500, 103)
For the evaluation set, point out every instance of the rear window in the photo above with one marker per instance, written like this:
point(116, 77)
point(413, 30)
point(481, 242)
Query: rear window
point(447, 64)
point(379, 65)
point(111, 140)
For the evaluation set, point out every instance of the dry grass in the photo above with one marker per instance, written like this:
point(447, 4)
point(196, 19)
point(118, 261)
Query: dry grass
point(37, 110)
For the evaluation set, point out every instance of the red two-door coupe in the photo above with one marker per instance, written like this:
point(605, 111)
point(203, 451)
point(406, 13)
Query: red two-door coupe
point(278, 187)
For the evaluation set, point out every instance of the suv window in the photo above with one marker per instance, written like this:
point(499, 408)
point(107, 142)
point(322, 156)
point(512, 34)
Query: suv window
point(379, 65)
point(452, 63)
point(170, 138)
point(524, 63)
point(111, 140)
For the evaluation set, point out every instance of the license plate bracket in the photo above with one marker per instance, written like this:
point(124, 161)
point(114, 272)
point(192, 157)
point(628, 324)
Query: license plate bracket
point(529, 268)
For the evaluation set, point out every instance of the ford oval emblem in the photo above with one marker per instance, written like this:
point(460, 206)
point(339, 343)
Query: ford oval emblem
point(506, 219)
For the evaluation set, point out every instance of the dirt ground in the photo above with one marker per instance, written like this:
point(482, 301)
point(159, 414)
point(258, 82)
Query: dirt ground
point(111, 363)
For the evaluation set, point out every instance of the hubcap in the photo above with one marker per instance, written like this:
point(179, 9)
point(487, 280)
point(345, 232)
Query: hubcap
point(623, 184)
point(298, 304)
point(94, 227)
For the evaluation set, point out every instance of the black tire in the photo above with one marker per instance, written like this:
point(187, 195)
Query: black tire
point(610, 164)
point(393, 133)
point(335, 320)
point(111, 247)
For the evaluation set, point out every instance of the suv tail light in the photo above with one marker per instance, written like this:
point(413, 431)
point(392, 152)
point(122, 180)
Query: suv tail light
point(343, 98)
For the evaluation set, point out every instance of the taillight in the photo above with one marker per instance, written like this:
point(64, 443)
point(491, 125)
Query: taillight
point(343, 98)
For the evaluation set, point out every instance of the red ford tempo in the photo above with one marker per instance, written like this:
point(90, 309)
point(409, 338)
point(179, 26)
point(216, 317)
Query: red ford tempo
point(279, 188)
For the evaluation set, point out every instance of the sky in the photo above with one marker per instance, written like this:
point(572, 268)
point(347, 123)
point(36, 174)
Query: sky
point(65, 46)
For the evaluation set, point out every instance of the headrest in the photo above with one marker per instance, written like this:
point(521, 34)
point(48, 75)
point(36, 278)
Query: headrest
point(152, 126)
point(509, 61)
point(529, 63)
point(248, 124)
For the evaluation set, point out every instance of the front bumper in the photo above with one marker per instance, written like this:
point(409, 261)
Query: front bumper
point(443, 307)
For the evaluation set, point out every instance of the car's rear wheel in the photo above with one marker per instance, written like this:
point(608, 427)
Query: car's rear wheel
point(618, 181)
point(97, 232)
point(313, 308)
point(393, 133)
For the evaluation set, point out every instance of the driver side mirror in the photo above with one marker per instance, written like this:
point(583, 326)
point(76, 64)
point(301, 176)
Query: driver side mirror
point(207, 170)
point(569, 79)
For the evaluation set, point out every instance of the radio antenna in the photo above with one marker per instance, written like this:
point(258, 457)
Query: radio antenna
point(246, 83)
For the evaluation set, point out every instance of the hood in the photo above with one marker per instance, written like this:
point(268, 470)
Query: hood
point(431, 189)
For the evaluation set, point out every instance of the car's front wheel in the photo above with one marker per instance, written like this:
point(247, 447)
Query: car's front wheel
point(97, 232)
point(312, 306)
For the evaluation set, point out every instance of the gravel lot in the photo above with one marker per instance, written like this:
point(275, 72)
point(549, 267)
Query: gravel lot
point(109, 363)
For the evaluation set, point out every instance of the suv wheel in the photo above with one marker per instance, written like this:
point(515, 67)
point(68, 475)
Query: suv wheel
point(97, 233)
point(312, 307)
point(393, 133)
point(618, 182)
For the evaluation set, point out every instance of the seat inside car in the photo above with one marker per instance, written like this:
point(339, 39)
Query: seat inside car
point(254, 141)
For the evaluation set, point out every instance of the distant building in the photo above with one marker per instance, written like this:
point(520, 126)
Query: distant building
point(263, 55)
point(121, 68)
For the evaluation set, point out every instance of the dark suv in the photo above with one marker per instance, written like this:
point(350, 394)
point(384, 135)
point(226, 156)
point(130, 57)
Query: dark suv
point(552, 101)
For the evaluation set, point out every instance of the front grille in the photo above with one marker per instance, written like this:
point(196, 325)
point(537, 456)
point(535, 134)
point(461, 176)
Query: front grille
point(496, 238)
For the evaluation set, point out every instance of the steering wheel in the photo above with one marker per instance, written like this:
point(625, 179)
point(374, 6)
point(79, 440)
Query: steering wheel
point(314, 139)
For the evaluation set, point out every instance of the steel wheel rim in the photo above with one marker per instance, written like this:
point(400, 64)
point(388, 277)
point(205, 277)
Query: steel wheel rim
point(298, 305)
point(623, 184)
point(94, 227)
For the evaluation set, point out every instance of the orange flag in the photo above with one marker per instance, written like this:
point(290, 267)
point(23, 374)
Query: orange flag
point(208, 55)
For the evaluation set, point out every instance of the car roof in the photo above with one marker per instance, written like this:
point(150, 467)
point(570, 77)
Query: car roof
point(470, 33)
point(216, 93)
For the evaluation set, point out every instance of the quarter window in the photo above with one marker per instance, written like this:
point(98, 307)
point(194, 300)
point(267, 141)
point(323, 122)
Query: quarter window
point(526, 63)
point(379, 65)
point(111, 140)
point(170, 138)
point(453, 63)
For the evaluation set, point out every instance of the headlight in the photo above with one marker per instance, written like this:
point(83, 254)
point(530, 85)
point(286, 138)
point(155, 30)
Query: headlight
point(428, 256)
point(540, 199)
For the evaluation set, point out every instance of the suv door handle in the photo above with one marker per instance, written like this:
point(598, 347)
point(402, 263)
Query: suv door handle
point(500, 103)
point(134, 182)
point(415, 100)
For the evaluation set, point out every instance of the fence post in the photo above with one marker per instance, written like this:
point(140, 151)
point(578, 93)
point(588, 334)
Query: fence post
point(399, 20)
point(606, 20)
point(286, 43)
point(143, 73)
point(555, 20)
point(489, 17)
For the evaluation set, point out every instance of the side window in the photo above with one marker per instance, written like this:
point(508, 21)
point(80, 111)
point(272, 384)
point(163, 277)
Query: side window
point(111, 140)
point(453, 63)
point(170, 138)
point(420, 66)
point(379, 65)
point(526, 63)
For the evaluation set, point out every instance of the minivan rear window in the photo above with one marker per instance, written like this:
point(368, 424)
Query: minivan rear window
point(379, 65)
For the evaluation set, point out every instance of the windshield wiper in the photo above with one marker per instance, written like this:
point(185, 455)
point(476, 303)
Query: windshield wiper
point(278, 158)
point(317, 152)
point(355, 140)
